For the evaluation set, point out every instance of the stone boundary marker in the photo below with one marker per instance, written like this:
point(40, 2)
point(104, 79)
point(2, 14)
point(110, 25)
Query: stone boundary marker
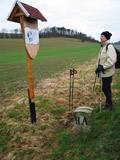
point(83, 120)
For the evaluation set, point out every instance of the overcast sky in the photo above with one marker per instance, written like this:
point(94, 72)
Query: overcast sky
point(87, 16)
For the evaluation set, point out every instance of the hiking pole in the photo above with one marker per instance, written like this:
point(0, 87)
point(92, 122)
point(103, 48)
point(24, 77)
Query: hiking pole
point(100, 90)
point(91, 97)
point(70, 89)
point(74, 72)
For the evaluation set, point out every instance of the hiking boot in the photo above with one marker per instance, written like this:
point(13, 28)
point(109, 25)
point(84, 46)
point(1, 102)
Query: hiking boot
point(110, 108)
point(105, 107)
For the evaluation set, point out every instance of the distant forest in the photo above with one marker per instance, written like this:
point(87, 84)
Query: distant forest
point(50, 32)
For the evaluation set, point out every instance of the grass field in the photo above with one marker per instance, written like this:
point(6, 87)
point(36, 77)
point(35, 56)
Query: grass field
point(55, 56)
point(52, 136)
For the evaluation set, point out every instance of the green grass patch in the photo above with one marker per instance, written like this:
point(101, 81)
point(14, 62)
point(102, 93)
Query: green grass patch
point(23, 153)
point(55, 56)
point(4, 135)
point(102, 143)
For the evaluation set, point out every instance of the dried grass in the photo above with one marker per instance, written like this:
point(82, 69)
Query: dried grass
point(39, 135)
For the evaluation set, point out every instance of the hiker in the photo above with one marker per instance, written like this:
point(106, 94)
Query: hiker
point(106, 66)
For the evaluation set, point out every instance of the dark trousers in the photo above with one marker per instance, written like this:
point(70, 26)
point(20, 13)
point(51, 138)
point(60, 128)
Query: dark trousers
point(106, 88)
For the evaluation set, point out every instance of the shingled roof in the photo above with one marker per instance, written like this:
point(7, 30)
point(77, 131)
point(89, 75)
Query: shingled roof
point(27, 10)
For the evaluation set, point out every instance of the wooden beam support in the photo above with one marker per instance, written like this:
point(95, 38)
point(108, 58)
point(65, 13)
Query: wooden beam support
point(19, 14)
point(13, 13)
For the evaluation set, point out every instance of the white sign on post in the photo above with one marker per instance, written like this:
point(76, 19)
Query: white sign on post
point(31, 36)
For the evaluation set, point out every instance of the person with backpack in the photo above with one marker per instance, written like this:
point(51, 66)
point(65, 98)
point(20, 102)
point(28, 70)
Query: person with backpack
point(106, 67)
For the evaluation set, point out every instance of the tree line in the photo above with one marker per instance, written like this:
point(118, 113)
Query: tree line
point(63, 32)
point(50, 32)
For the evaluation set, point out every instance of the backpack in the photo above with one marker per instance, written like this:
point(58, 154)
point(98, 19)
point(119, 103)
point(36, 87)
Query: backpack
point(117, 64)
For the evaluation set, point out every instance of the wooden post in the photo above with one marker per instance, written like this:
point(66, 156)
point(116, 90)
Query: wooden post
point(28, 17)
point(31, 50)
point(30, 76)
point(29, 70)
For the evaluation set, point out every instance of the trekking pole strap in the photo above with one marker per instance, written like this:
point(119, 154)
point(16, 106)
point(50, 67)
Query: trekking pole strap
point(73, 71)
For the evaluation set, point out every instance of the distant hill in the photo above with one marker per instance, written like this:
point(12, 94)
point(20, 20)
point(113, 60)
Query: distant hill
point(63, 32)
point(117, 42)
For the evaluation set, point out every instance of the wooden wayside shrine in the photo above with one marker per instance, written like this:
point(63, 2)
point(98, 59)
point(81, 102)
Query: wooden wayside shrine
point(28, 17)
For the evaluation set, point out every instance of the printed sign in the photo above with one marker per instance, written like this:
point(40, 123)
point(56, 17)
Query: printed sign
point(31, 36)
